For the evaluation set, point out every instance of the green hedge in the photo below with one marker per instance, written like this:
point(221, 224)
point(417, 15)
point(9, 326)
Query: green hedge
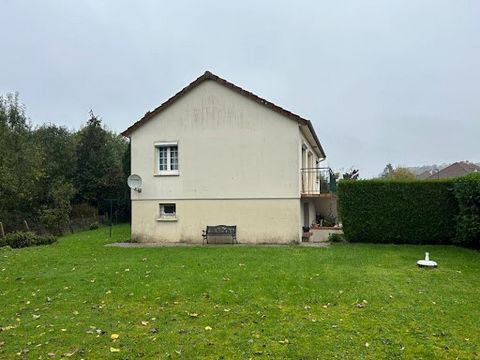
point(22, 239)
point(467, 194)
point(406, 211)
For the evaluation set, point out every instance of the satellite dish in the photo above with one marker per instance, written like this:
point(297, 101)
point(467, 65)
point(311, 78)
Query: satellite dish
point(134, 182)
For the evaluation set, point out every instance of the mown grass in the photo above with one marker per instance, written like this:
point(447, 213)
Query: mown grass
point(222, 302)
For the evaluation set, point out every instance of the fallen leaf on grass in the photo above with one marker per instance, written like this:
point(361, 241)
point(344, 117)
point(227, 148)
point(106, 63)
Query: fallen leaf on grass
point(208, 328)
point(70, 354)
point(144, 323)
point(114, 336)
point(114, 350)
point(193, 315)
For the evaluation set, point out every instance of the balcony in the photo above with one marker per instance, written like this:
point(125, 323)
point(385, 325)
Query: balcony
point(317, 182)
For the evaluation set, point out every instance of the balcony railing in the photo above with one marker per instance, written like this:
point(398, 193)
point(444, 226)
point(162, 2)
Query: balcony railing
point(317, 181)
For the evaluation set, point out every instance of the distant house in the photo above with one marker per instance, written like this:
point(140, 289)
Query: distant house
point(457, 169)
point(215, 154)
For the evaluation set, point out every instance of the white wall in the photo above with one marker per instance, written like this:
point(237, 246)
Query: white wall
point(229, 147)
point(258, 221)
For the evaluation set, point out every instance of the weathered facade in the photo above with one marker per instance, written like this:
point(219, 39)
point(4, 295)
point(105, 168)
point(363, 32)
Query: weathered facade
point(216, 154)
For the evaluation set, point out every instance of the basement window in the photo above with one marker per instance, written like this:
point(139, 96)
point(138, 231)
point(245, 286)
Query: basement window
point(168, 212)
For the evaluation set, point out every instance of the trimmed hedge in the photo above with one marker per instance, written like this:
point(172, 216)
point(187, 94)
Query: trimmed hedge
point(467, 194)
point(398, 211)
point(22, 239)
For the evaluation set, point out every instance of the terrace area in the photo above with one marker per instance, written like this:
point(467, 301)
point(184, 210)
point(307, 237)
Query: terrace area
point(318, 182)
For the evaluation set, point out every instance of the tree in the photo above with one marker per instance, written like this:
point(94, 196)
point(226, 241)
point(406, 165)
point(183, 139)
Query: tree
point(56, 217)
point(94, 161)
point(353, 174)
point(399, 173)
point(387, 171)
point(99, 173)
point(19, 163)
point(56, 147)
point(44, 171)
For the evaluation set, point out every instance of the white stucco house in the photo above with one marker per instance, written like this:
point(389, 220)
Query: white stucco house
point(217, 154)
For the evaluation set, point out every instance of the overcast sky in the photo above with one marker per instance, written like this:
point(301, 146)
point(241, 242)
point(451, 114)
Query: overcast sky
point(383, 81)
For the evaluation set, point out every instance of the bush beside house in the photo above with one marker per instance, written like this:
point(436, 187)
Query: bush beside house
point(398, 211)
point(467, 194)
point(412, 211)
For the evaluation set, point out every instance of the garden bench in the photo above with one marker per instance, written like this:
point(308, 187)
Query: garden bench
point(220, 230)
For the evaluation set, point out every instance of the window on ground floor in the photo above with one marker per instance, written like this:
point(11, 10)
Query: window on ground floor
point(168, 211)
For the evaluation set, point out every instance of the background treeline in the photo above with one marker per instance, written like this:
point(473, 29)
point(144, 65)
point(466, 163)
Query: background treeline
point(51, 176)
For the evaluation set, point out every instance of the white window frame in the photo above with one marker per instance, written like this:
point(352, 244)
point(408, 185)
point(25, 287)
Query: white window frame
point(168, 145)
point(164, 216)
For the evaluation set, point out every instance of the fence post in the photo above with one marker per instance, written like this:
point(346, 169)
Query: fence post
point(2, 231)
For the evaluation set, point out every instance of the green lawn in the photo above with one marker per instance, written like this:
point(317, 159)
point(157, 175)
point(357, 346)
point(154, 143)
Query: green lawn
point(229, 302)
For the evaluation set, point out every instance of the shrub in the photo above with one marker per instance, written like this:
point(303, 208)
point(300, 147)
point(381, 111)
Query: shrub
point(392, 211)
point(22, 239)
point(44, 240)
point(94, 226)
point(467, 193)
point(3, 241)
point(336, 238)
point(54, 220)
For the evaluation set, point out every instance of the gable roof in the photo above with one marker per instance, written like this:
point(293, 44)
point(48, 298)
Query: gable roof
point(457, 169)
point(210, 76)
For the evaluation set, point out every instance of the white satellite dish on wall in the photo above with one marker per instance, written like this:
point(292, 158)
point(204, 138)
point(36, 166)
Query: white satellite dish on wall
point(134, 182)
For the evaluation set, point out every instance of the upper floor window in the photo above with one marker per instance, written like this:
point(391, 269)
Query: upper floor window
point(167, 158)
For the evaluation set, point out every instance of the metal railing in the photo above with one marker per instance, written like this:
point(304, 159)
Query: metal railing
point(320, 180)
